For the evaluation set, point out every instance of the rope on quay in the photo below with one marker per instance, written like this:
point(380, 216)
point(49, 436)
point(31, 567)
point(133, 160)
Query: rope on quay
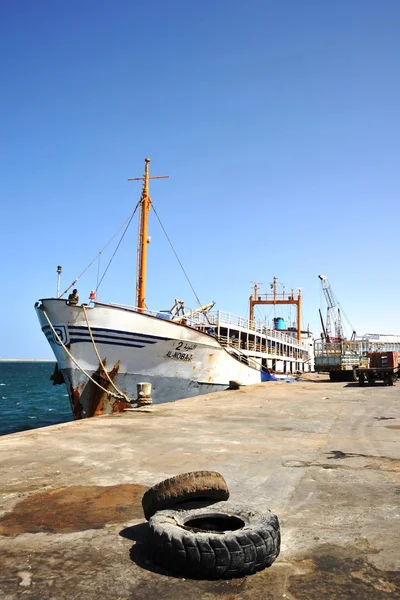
point(112, 394)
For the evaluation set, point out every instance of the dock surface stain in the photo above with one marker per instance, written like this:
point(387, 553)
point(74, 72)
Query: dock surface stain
point(74, 508)
point(281, 428)
point(378, 463)
point(343, 573)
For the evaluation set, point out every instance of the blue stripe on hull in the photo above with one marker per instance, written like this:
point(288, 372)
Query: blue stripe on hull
point(99, 336)
point(100, 342)
point(76, 328)
point(81, 334)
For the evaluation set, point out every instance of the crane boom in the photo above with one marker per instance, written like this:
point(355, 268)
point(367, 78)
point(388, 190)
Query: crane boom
point(327, 291)
point(333, 312)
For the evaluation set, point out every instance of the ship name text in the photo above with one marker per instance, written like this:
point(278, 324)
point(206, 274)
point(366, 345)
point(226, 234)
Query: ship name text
point(181, 351)
point(179, 355)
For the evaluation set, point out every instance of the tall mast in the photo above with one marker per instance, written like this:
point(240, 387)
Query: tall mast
point(145, 204)
point(143, 238)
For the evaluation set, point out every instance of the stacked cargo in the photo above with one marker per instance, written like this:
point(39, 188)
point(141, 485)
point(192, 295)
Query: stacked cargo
point(383, 360)
point(364, 362)
point(383, 366)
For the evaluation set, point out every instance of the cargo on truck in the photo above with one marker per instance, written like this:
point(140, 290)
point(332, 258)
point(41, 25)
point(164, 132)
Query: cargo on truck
point(339, 359)
point(379, 366)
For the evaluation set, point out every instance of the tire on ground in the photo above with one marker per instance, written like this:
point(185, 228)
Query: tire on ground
point(199, 544)
point(198, 485)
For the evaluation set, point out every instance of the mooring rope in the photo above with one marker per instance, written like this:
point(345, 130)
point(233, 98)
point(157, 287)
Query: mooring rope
point(76, 363)
point(99, 358)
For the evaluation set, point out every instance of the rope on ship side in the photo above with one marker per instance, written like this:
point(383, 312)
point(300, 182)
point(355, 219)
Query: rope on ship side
point(112, 394)
point(99, 359)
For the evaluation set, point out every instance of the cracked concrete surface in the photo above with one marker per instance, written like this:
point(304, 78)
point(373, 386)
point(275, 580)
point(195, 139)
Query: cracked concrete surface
point(325, 457)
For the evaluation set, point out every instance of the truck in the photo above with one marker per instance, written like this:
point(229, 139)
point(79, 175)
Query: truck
point(339, 359)
point(368, 358)
point(379, 366)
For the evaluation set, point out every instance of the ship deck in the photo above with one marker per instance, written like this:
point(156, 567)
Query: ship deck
point(325, 457)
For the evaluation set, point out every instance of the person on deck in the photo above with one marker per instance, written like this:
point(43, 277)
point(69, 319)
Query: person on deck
point(73, 298)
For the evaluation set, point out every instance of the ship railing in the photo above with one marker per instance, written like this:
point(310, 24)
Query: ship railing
point(251, 361)
point(222, 319)
point(133, 308)
point(261, 347)
point(231, 321)
point(226, 341)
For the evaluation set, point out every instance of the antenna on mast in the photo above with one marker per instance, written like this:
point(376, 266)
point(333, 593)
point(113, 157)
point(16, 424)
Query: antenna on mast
point(255, 288)
point(59, 271)
point(143, 239)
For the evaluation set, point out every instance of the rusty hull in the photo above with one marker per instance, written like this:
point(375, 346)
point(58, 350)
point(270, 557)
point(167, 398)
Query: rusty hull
point(89, 400)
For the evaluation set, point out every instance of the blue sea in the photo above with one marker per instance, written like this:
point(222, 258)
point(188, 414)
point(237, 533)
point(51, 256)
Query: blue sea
point(28, 399)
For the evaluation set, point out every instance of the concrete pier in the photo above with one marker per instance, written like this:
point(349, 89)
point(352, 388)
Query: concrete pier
point(325, 457)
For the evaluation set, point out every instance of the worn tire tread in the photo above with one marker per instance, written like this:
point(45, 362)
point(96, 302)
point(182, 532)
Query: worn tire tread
point(216, 556)
point(187, 486)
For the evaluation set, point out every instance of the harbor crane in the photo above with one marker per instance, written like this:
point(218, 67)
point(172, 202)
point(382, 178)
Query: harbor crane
point(333, 329)
point(334, 353)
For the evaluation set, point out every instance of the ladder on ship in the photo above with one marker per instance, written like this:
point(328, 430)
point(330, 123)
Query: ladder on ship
point(242, 357)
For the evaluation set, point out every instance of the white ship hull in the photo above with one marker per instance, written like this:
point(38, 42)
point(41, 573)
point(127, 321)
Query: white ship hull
point(178, 360)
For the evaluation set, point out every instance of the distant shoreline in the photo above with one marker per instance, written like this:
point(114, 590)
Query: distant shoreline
point(27, 360)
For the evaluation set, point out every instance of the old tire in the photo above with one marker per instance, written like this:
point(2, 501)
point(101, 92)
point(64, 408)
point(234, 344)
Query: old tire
point(198, 485)
point(215, 542)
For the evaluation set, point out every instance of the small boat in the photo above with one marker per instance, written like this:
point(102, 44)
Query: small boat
point(105, 352)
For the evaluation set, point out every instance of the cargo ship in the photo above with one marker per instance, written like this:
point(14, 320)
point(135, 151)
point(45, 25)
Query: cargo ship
point(106, 351)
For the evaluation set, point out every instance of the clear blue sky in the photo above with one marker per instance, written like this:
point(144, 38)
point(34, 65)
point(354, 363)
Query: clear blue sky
point(278, 123)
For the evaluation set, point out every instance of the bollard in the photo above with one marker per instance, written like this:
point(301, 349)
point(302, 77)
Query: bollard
point(144, 394)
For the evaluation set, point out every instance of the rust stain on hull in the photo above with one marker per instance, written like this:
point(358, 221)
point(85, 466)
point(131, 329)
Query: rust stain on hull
point(74, 508)
point(95, 401)
point(76, 403)
point(119, 405)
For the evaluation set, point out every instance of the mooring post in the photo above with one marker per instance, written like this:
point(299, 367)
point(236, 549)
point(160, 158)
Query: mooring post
point(144, 393)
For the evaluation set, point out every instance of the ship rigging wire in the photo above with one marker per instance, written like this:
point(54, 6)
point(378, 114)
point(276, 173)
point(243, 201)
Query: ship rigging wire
point(127, 222)
point(129, 218)
point(177, 258)
point(118, 245)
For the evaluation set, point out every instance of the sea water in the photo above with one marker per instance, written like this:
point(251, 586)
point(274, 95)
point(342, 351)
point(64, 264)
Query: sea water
point(28, 399)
